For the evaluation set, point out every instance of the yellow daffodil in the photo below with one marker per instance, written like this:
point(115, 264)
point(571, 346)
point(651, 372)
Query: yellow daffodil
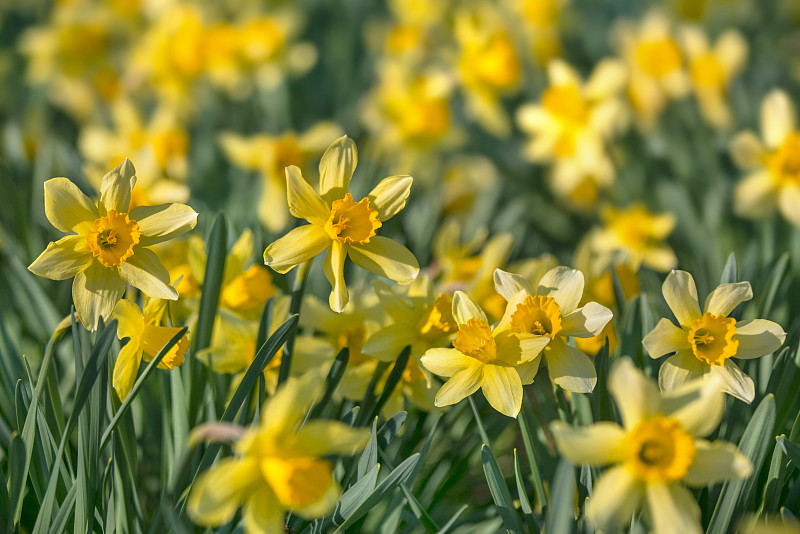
point(551, 315)
point(573, 118)
point(635, 236)
point(774, 163)
point(343, 226)
point(146, 339)
point(711, 70)
point(278, 466)
point(109, 244)
point(270, 155)
point(657, 448)
point(705, 341)
point(496, 361)
point(540, 20)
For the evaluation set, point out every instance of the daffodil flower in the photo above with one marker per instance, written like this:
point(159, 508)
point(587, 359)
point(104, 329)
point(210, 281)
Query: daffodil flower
point(145, 341)
point(705, 341)
point(108, 246)
point(496, 361)
point(551, 315)
point(343, 226)
point(657, 448)
point(278, 466)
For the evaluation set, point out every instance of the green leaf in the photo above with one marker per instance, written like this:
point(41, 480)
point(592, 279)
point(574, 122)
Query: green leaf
point(452, 521)
point(499, 490)
point(335, 374)
point(792, 450)
point(561, 512)
point(369, 456)
point(390, 428)
point(356, 495)
point(730, 273)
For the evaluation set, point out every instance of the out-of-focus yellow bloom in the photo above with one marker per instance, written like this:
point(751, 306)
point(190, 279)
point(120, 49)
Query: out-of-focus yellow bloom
point(341, 225)
point(541, 19)
point(270, 155)
point(246, 287)
point(655, 65)
point(551, 314)
point(146, 339)
point(278, 466)
point(705, 341)
point(773, 162)
point(635, 236)
point(109, 244)
point(657, 448)
point(711, 70)
point(496, 361)
point(467, 182)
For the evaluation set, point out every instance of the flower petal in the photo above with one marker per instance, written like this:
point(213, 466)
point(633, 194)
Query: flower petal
point(755, 196)
point(527, 370)
point(336, 168)
point(334, 272)
point(130, 317)
point(390, 195)
point(698, 406)
point(789, 203)
point(665, 338)
point(445, 362)
point(163, 222)
point(717, 462)
point(263, 513)
point(321, 438)
point(635, 395)
point(565, 285)
point(464, 309)
point(615, 497)
point(673, 509)
point(758, 337)
point(679, 369)
point(66, 207)
point(95, 292)
point(461, 385)
point(777, 118)
point(220, 491)
point(126, 368)
point(727, 296)
point(747, 151)
point(304, 202)
point(570, 368)
point(290, 403)
point(387, 343)
point(502, 387)
point(597, 444)
point(606, 80)
point(115, 189)
point(510, 284)
point(63, 259)
point(587, 321)
point(734, 381)
point(298, 246)
point(681, 296)
point(386, 257)
point(144, 271)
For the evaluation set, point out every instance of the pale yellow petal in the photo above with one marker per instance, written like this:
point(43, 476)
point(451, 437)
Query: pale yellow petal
point(758, 337)
point(336, 168)
point(586, 321)
point(323, 438)
point(665, 338)
point(755, 196)
point(63, 259)
point(464, 309)
point(717, 462)
point(126, 368)
point(163, 222)
point(225, 359)
point(131, 320)
point(698, 406)
point(597, 444)
point(565, 285)
point(445, 362)
point(679, 369)
point(616, 495)
point(386, 257)
point(681, 296)
point(304, 202)
point(559, 73)
point(290, 403)
point(570, 368)
point(298, 246)
point(115, 190)
point(387, 343)
point(731, 50)
point(95, 292)
point(145, 272)
point(461, 385)
point(67, 208)
point(510, 284)
point(734, 381)
point(727, 296)
point(220, 491)
point(607, 79)
point(635, 395)
point(502, 387)
point(527, 370)
point(390, 195)
point(777, 118)
point(672, 509)
point(272, 209)
point(263, 513)
point(334, 272)
point(789, 203)
point(747, 151)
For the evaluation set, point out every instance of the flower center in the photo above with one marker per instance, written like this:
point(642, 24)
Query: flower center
point(567, 103)
point(497, 63)
point(707, 72)
point(537, 315)
point(352, 222)
point(438, 320)
point(784, 163)
point(112, 243)
point(659, 450)
point(475, 339)
point(251, 288)
point(711, 337)
point(658, 58)
point(297, 482)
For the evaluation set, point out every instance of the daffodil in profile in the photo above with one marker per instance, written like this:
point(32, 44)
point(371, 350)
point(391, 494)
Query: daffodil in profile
point(705, 341)
point(551, 315)
point(343, 226)
point(657, 450)
point(107, 245)
point(496, 361)
point(278, 465)
point(146, 338)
